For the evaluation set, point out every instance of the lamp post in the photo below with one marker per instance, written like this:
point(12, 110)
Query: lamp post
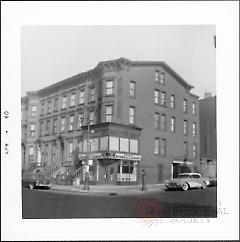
point(86, 172)
point(143, 181)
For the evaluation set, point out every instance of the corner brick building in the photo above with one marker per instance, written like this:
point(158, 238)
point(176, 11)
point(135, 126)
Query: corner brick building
point(116, 119)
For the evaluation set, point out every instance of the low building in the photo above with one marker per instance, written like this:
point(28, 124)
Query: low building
point(114, 121)
point(208, 136)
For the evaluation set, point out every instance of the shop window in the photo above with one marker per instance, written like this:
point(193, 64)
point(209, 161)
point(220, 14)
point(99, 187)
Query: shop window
point(94, 144)
point(133, 146)
point(124, 145)
point(114, 143)
point(104, 143)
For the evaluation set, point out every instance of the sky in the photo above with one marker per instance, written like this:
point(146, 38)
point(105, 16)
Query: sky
point(52, 53)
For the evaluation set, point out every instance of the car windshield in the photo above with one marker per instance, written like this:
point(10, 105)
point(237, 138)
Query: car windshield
point(184, 176)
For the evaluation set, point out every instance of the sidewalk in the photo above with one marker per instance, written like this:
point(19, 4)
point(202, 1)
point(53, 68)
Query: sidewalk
point(110, 189)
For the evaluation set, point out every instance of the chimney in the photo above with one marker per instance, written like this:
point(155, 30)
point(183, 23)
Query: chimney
point(207, 94)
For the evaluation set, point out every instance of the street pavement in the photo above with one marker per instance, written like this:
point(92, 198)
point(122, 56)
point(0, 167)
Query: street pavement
point(118, 202)
point(110, 189)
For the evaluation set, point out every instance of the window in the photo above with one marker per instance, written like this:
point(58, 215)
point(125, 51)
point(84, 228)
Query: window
point(109, 113)
point(163, 122)
point(184, 105)
point(156, 121)
point(81, 96)
point(47, 127)
point(194, 151)
point(113, 143)
point(91, 117)
point(70, 151)
point(72, 99)
point(163, 147)
point(109, 87)
point(132, 89)
point(132, 115)
point(162, 78)
point(194, 129)
point(94, 144)
point(62, 129)
point(80, 120)
point(32, 129)
point(157, 76)
point(92, 94)
point(196, 176)
point(185, 149)
point(104, 143)
point(46, 154)
point(124, 145)
point(173, 125)
point(55, 104)
point(71, 122)
point(156, 96)
point(185, 127)
point(42, 108)
point(133, 146)
point(80, 146)
point(156, 146)
point(31, 153)
point(53, 153)
point(64, 101)
point(55, 126)
point(194, 108)
point(172, 101)
point(41, 128)
point(34, 110)
point(49, 106)
point(163, 99)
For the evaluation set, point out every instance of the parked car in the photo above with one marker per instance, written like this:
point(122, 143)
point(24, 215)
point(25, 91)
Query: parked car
point(34, 181)
point(186, 181)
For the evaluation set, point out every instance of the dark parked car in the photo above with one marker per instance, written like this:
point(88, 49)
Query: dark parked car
point(33, 181)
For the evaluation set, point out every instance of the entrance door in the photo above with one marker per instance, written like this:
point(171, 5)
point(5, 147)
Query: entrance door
point(176, 169)
point(110, 174)
point(160, 173)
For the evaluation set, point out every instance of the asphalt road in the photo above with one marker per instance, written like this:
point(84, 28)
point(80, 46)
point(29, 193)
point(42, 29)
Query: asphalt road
point(161, 204)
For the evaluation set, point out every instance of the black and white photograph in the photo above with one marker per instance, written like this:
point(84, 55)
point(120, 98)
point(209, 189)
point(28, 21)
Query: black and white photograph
point(119, 122)
point(128, 137)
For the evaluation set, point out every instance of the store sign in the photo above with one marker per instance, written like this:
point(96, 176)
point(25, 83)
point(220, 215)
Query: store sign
point(127, 156)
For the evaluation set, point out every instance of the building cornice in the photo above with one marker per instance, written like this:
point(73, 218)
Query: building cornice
point(117, 64)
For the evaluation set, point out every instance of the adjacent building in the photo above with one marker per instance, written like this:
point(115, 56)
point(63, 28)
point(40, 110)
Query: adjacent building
point(208, 136)
point(115, 120)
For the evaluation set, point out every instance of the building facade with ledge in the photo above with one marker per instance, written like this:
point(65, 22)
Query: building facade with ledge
point(135, 114)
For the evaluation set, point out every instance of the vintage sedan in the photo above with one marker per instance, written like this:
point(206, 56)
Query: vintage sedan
point(34, 181)
point(185, 181)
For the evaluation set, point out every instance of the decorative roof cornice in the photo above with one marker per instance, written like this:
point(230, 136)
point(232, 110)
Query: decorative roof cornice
point(116, 64)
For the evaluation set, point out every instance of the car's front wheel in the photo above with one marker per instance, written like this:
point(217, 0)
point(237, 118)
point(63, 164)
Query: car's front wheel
point(31, 186)
point(185, 186)
point(204, 185)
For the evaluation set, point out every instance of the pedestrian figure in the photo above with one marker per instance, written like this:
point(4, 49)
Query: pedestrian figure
point(86, 182)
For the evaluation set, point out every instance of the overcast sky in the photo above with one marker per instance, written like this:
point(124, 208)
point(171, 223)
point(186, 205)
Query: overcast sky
point(53, 53)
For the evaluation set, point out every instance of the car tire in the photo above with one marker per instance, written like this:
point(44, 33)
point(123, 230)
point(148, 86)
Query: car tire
point(185, 186)
point(31, 186)
point(204, 185)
